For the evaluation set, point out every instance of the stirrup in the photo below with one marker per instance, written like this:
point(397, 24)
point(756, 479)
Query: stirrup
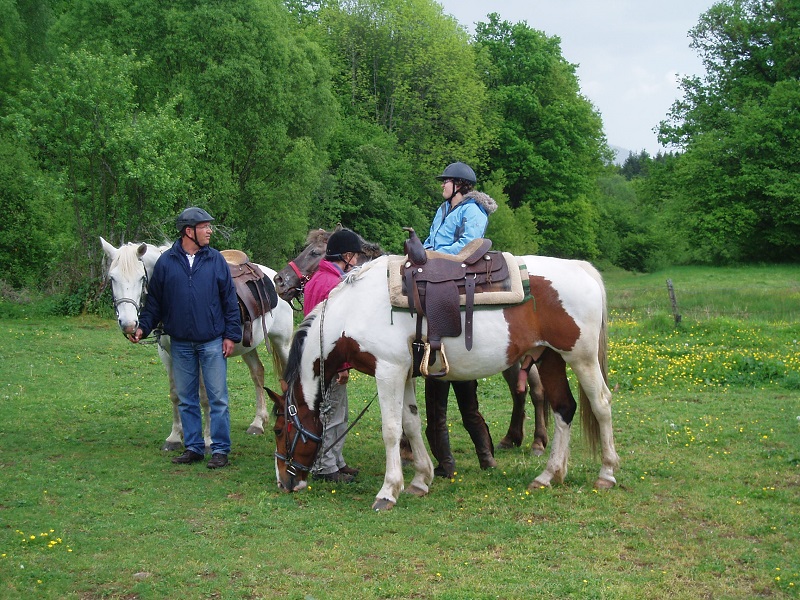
point(423, 367)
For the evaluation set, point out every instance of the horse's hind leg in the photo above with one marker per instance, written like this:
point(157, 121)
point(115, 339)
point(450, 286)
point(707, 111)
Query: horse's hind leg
point(175, 439)
point(553, 374)
point(516, 427)
point(256, 367)
point(206, 415)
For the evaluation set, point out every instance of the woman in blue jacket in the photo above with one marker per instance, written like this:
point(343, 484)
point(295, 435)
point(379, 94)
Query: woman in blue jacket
point(461, 218)
point(191, 293)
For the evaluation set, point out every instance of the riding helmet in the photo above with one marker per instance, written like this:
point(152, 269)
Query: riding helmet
point(342, 241)
point(458, 170)
point(192, 216)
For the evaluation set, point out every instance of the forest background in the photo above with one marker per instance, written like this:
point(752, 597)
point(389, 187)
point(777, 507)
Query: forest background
point(279, 117)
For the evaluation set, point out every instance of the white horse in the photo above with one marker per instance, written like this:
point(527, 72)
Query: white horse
point(130, 267)
point(563, 321)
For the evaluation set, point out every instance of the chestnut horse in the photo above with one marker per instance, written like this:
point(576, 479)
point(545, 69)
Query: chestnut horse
point(290, 281)
point(130, 267)
point(562, 322)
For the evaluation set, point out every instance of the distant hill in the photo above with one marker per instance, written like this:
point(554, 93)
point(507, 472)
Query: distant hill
point(620, 154)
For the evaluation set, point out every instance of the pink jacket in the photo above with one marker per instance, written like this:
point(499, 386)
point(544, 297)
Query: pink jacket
point(326, 278)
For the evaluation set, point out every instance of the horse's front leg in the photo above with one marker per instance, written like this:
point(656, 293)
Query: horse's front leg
point(206, 415)
point(256, 367)
point(390, 396)
point(423, 467)
point(175, 439)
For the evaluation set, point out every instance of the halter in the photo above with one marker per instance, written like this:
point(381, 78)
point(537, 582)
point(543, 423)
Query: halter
point(300, 286)
point(137, 304)
point(291, 419)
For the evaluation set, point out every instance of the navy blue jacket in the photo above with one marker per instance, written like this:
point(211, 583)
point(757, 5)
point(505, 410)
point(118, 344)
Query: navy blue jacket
point(197, 304)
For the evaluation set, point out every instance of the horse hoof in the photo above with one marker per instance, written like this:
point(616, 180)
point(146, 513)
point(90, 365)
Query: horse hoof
point(253, 430)
point(382, 505)
point(172, 446)
point(415, 490)
point(537, 448)
point(537, 485)
point(604, 484)
point(507, 443)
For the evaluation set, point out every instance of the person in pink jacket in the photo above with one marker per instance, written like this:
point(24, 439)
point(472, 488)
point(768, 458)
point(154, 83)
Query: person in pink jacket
point(340, 256)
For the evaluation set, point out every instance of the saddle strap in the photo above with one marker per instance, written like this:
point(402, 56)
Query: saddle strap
point(469, 291)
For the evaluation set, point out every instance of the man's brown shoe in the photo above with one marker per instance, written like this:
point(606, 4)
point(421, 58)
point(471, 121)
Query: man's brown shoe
point(187, 457)
point(335, 477)
point(349, 470)
point(218, 461)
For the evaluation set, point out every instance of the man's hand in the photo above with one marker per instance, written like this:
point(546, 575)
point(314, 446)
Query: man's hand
point(136, 336)
point(227, 347)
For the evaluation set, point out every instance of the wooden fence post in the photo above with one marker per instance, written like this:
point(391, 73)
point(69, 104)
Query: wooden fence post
point(675, 313)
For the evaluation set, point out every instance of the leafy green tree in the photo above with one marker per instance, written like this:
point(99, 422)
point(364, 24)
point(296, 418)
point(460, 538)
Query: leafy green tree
point(405, 66)
point(258, 88)
point(739, 179)
point(550, 142)
point(121, 168)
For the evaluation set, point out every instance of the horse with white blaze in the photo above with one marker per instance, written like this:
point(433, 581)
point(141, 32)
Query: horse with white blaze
point(561, 321)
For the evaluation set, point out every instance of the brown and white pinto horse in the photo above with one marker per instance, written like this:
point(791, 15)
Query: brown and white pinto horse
point(129, 269)
point(290, 281)
point(564, 322)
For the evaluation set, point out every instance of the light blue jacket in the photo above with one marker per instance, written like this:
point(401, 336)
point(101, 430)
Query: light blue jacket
point(454, 228)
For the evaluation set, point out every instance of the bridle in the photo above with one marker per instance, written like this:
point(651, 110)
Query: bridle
point(292, 421)
point(300, 286)
point(137, 304)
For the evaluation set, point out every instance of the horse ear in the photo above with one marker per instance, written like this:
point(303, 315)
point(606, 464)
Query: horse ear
point(141, 250)
point(338, 227)
point(276, 398)
point(110, 250)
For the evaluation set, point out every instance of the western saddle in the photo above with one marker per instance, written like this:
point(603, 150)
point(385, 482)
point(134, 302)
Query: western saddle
point(434, 283)
point(256, 292)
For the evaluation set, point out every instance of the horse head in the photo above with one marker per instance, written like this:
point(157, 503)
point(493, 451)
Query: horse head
point(298, 437)
point(290, 281)
point(128, 277)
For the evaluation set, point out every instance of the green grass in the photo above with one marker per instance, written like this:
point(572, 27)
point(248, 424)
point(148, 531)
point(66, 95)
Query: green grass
point(707, 423)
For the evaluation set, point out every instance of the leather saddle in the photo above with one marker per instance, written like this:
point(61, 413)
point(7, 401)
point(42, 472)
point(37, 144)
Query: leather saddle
point(256, 292)
point(434, 284)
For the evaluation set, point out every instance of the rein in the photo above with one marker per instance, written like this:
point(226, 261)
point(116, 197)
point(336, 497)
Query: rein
point(291, 419)
point(300, 286)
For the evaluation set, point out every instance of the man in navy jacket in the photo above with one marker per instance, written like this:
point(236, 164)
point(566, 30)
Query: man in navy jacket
point(191, 293)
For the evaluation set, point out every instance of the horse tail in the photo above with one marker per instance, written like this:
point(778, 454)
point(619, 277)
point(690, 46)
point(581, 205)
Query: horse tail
point(591, 426)
point(278, 364)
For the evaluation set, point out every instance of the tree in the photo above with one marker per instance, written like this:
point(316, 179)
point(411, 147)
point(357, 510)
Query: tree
point(550, 143)
point(406, 67)
point(255, 85)
point(739, 178)
point(121, 168)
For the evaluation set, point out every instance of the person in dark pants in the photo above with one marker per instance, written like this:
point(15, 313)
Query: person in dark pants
point(461, 218)
point(192, 294)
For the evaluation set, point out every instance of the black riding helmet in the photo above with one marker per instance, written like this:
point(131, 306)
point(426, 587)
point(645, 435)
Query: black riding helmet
point(458, 170)
point(191, 217)
point(342, 241)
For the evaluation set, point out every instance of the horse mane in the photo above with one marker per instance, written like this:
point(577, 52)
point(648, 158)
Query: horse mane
point(127, 259)
point(292, 372)
point(319, 237)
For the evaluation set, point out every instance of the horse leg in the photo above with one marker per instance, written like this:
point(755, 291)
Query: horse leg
point(256, 367)
point(516, 428)
point(553, 374)
point(412, 428)
point(513, 437)
point(540, 412)
point(595, 400)
point(206, 414)
point(175, 439)
point(391, 393)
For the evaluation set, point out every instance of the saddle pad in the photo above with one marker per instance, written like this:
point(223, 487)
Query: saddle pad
point(513, 296)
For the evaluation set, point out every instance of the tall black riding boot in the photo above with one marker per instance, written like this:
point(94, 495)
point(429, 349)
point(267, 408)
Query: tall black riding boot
point(436, 393)
point(474, 423)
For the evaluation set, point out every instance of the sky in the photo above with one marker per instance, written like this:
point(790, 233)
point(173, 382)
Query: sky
point(629, 53)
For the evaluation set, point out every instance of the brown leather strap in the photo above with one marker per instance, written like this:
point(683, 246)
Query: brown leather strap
point(469, 290)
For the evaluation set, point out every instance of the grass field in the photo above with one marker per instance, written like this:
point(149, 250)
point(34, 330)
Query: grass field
point(706, 420)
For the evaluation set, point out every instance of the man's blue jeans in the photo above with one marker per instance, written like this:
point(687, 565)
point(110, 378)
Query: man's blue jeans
point(188, 360)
